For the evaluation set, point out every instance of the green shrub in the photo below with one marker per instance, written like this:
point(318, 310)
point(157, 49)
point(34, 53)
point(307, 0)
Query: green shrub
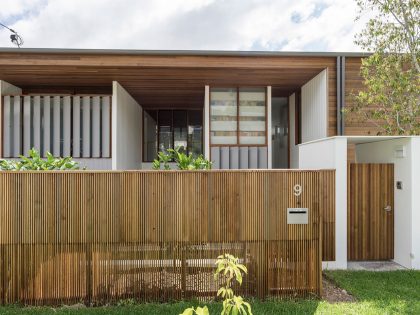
point(182, 160)
point(34, 162)
point(231, 270)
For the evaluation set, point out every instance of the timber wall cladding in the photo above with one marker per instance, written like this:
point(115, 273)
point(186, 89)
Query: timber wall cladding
point(100, 236)
point(370, 228)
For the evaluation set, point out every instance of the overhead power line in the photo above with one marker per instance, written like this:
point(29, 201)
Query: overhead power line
point(14, 37)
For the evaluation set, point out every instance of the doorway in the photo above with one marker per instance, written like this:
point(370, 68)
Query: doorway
point(370, 211)
point(279, 132)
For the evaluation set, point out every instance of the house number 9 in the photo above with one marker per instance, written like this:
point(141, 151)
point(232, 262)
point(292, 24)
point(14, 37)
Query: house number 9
point(297, 190)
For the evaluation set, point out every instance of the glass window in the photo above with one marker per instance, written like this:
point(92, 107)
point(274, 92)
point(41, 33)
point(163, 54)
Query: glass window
point(167, 129)
point(252, 122)
point(195, 132)
point(224, 116)
point(180, 129)
point(150, 135)
point(225, 129)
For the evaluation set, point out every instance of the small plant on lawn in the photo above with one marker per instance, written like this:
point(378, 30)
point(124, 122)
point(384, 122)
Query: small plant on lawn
point(231, 270)
point(182, 160)
point(34, 162)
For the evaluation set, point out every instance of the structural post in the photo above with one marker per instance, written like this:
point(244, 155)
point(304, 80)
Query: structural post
point(269, 144)
point(207, 122)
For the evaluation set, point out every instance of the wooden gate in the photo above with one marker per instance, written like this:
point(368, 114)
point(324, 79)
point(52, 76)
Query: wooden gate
point(370, 212)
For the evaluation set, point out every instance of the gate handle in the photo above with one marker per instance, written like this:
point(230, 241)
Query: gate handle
point(387, 208)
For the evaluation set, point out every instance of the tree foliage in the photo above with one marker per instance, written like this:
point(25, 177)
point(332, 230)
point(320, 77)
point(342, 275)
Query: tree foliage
point(391, 75)
point(34, 162)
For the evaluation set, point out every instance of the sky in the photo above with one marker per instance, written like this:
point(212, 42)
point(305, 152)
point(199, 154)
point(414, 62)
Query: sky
point(261, 25)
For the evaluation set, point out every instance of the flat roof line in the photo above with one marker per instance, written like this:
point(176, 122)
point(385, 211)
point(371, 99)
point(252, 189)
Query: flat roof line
point(181, 52)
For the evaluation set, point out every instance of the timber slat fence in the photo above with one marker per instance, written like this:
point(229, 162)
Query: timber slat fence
point(154, 235)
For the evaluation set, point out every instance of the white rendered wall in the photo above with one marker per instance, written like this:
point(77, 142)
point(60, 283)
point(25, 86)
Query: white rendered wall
point(415, 222)
point(268, 131)
point(206, 126)
point(315, 108)
point(294, 149)
point(95, 164)
point(331, 154)
point(406, 200)
point(126, 130)
point(6, 89)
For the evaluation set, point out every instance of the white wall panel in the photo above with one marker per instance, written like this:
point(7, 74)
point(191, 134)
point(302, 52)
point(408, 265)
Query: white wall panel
point(76, 126)
point(315, 108)
point(86, 126)
point(106, 126)
point(26, 124)
point(46, 124)
point(66, 125)
point(126, 130)
point(7, 125)
point(56, 126)
point(16, 126)
point(331, 153)
point(294, 149)
point(36, 123)
point(96, 123)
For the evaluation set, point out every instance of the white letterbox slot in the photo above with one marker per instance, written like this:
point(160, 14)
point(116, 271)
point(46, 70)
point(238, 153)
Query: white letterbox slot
point(297, 215)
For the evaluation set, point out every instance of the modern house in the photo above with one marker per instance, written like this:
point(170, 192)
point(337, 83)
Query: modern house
point(115, 109)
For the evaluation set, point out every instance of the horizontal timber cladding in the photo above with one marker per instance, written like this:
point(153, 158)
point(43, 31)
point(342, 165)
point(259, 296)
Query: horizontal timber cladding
point(354, 84)
point(154, 235)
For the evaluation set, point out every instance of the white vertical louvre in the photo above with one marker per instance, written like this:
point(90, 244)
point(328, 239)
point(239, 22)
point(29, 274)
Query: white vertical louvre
point(106, 126)
point(66, 125)
point(26, 124)
point(36, 123)
point(57, 126)
point(96, 123)
point(46, 125)
point(16, 126)
point(7, 127)
point(63, 125)
point(76, 126)
point(315, 108)
point(86, 126)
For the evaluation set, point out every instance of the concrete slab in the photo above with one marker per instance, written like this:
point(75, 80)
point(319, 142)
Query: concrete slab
point(374, 265)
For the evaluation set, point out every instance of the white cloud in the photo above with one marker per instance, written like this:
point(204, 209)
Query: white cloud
point(183, 24)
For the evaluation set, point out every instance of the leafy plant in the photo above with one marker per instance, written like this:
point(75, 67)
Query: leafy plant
point(182, 160)
point(229, 267)
point(198, 311)
point(34, 162)
point(231, 270)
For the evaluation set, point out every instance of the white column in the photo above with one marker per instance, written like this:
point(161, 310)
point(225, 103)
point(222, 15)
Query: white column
point(76, 126)
point(66, 125)
point(86, 126)
point(56, 125)
point(36, 123)
point(26, 124)
point(106, 126)
point(269, 144)
point(96, 116)
point(47, 125)
point(207, 122)
point(16, 126)
point(7, 127)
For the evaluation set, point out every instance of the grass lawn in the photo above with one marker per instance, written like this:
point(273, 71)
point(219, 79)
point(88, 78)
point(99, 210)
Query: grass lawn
point(396, 292)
